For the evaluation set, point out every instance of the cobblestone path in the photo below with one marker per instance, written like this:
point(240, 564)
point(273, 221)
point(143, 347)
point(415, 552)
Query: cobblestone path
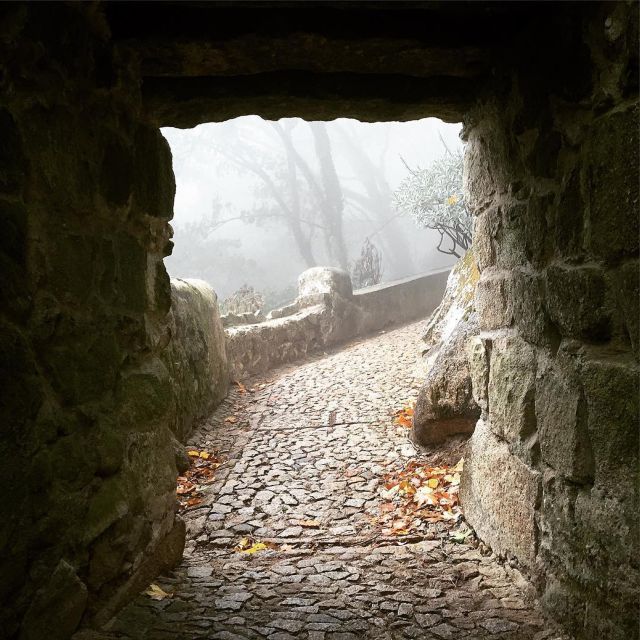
point(310, 444)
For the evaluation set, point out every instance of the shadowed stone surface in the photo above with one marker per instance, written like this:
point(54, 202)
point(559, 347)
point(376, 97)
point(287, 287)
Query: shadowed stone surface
point(311, 444)
point(554, 364)
point(195, 357)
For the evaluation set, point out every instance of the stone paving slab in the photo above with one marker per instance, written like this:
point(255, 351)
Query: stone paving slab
point(309, 445)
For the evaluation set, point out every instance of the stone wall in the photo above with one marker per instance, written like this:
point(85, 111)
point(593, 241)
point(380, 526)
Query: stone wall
point(86, 191)
point(196, 357)
point(400, 301)
point(551, 475)
point(327, 312)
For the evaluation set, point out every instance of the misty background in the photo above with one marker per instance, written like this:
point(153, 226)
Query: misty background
point(259, 202)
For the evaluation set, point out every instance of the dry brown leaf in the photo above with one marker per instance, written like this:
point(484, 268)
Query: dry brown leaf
point(231, 419)
point(309, 523)
point(157, 593)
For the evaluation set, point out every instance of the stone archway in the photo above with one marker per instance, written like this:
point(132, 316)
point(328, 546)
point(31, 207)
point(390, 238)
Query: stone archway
point(548, 95)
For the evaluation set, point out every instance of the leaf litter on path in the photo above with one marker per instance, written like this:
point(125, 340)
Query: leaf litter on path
point(404, 417)
point(201, 472)
point(418, 495)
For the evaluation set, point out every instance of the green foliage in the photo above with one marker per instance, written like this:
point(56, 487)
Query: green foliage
point(435, 199)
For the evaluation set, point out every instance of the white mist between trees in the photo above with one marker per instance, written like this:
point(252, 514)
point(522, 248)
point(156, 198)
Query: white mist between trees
point(258, 202)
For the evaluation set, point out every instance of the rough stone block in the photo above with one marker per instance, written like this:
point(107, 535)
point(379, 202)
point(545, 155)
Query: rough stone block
point(485, 228)
point(83, 360)
point(445, 405)
point(500, 495)
point(478, 180)
point(131, 273)
point(144, 395)
point(576, 301)
point(511, 246)
point(570, 218)
point(505, 299)
point(71, 267)
point(317, 282)
point(612, 396)
point(627, 292)
point(478, 355)
point(155, 184)
point(611, 165)
point(587, 549)
point(537, 230)
point(561, 415)
point(116, 173)
point(493, 300)
point(511, 389)
point(57, 608)
point(106, 506)
point(12, 160)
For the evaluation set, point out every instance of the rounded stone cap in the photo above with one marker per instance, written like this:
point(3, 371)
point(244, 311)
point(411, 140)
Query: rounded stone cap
point(324, 280)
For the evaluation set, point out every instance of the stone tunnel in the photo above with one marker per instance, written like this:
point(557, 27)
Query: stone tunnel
point(548, 95)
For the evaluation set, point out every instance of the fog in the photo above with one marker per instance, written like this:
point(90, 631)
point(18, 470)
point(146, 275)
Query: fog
point(258, 202)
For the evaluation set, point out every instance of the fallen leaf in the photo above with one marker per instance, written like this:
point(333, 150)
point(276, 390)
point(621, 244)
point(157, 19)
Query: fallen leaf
point(460, 536)
point(241, 387)
point(309, 523)
point(157, 593)
point(231, 419)
point(250, 546)
point(432, 483)
point(192, 502)
point(194, 453)
point(184, 487)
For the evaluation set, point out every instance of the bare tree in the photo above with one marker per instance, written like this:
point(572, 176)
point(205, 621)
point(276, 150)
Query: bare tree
point(376, 204)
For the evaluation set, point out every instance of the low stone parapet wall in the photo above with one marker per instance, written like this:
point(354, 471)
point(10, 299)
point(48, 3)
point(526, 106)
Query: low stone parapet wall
point(400, 301)
point(326, 313)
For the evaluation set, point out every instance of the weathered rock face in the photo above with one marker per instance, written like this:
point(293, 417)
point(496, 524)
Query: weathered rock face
point(196, 357)
point(445, 404)
point(86, 192)
point(551, 475)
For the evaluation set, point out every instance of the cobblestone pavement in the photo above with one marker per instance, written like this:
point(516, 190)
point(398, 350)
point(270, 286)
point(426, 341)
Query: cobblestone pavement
point(310, 445)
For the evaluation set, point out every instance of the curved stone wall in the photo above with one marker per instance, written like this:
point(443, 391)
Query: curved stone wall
point(196, 356)
point(326, 313)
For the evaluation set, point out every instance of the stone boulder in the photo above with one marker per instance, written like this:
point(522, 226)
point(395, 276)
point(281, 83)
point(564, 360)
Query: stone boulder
point(445, 404)
point(318, 282)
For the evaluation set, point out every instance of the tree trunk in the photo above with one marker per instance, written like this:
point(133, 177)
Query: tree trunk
point(334, 201)
point(378, 201)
